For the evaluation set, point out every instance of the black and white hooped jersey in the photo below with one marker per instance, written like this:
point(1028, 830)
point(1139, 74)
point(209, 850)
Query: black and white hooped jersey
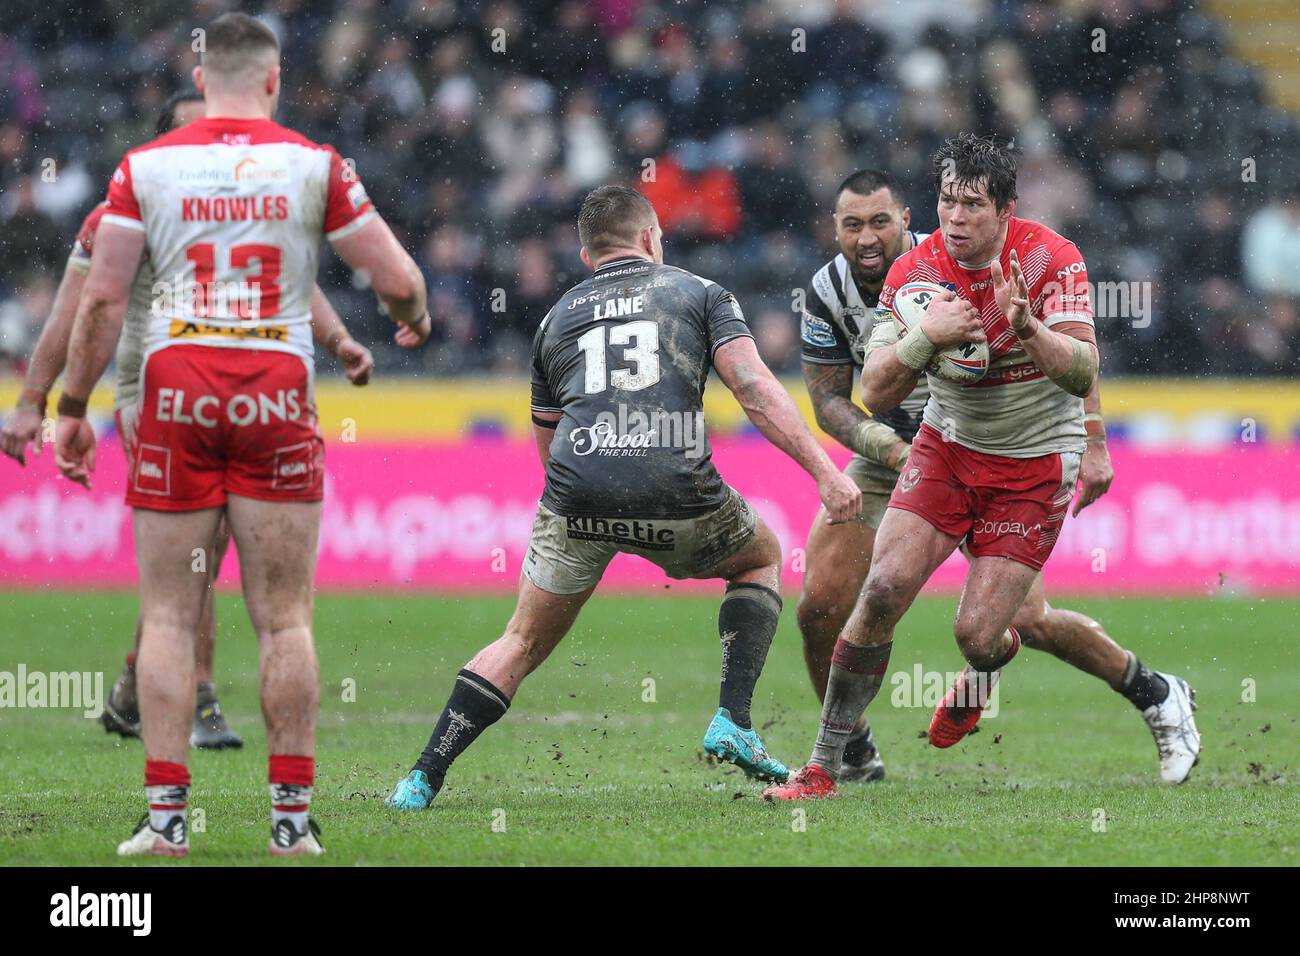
point(834, 329)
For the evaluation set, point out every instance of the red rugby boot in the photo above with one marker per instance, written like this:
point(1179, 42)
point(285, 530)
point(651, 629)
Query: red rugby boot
point(810, 783)
point(951, 721)
point(960, 709)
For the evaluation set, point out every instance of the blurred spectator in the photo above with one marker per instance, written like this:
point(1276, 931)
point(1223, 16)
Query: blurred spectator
point(775, 197)
point(1271, 247)
point(695, 200)
point(777, 339)
point(32, 240)
point(20, 93)
point(478, 127)
point(21, 318)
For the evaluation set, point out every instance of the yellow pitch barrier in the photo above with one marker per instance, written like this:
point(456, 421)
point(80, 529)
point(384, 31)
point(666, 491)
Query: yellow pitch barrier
point(403, 409)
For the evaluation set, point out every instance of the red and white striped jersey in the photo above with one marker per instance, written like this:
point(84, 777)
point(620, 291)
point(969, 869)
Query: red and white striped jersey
point(233, 211)
point(1015, 410)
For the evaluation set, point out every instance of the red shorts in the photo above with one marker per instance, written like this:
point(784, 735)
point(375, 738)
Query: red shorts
point(215, 421)
point(1005, 507)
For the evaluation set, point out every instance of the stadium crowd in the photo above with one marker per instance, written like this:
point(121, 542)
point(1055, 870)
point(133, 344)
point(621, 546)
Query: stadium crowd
point(477, 129)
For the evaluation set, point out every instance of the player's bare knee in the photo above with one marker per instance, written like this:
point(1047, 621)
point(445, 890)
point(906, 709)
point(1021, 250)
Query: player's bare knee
point(285, 635)
point(884, 600)
point(980, 645)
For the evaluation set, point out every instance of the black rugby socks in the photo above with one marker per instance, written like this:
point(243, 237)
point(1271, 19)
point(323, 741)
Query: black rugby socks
point(1143, 688)
point(474, 706)
point(746, 625)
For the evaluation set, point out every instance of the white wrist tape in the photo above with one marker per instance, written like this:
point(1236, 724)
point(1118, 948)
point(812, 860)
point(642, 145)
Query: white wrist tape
point(914, 350)
point(875, 441)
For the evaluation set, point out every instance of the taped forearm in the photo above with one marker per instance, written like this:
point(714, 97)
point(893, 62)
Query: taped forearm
point(1079, 377)
point(880, 443)
point(914, 350)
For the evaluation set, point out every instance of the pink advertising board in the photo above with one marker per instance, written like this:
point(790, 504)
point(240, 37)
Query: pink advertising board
point(457, 516)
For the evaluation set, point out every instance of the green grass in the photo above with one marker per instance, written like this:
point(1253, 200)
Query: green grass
point(583, 771)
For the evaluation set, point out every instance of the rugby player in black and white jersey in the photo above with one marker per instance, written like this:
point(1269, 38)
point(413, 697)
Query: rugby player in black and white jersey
point(872, 229)
point(619, 369)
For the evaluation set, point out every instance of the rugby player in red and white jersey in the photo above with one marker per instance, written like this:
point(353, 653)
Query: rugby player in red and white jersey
point(231, 210)
point(994, 463)
point(25, 424)
point(871, 229)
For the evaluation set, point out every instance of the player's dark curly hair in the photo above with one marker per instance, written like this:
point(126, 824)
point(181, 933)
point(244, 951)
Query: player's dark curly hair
point(973, 159)
point(167, 116)
point(864, 182)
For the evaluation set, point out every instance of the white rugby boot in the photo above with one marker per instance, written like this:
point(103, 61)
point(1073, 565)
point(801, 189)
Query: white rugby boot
point(172, 840)
point(1174, 728)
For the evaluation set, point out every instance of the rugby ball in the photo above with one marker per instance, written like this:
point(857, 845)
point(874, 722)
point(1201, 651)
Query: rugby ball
point(964, 363)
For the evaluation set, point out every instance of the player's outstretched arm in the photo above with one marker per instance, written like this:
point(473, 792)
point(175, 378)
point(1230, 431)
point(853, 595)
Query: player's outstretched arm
point(831, 390)
point(1068, 361)
point(48, 359)
point(769, 406)
point(330, 334)
point(393, 274)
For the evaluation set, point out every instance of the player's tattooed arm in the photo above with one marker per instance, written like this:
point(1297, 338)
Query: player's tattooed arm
point(831, 390)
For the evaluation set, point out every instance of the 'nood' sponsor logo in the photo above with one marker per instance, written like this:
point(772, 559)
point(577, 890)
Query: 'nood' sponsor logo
point(628, 434)
point(637, 533)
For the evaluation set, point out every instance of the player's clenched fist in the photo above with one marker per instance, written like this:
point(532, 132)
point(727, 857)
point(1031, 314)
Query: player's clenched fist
point(841, 497)
point(950, 320)
point(356, 360)
point(74, 449)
